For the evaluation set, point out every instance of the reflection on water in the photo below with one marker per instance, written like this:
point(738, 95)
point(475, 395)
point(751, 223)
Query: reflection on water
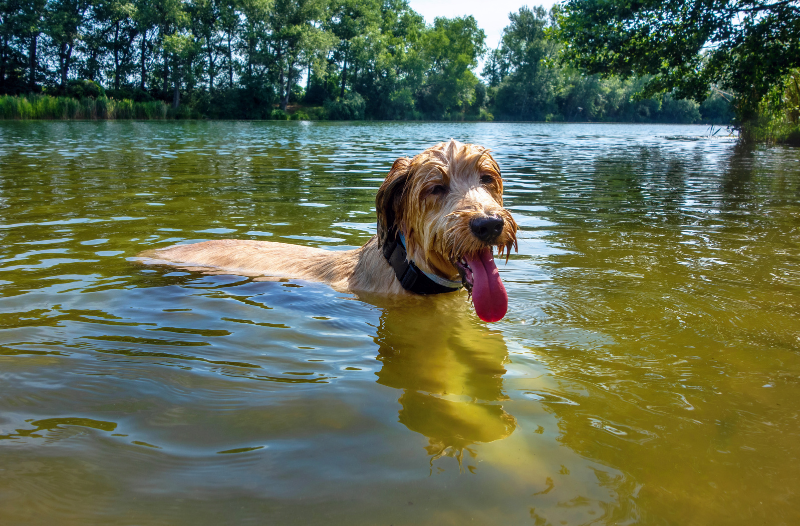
point(450, 370)
point(647, 371)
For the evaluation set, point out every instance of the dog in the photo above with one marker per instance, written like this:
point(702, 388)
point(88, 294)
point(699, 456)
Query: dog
point(440, 215)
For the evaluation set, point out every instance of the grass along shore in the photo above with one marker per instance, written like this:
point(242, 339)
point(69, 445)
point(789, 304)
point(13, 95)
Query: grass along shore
point(47, 107)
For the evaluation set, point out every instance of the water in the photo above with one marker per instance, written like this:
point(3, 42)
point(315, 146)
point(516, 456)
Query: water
point(646, 373)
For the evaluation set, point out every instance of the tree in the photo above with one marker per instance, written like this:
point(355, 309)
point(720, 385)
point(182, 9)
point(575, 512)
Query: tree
point(62, 20)
point(145, 17)
point(114, 18)
point(13, 62)
point(30, 25)
point(391, 62)
point(172, 20)
point(350, 19)
point(205, 16)
point(495, 68)
point(452, 47)
point(689, 46)
point(179, 47)
point(525, 66)
point(296, 39)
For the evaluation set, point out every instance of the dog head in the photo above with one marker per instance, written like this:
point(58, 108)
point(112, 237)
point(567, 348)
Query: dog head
point(448, 203)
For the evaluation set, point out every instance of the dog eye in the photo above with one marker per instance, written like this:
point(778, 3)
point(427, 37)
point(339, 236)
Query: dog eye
point(438, 190)
point(487, 179)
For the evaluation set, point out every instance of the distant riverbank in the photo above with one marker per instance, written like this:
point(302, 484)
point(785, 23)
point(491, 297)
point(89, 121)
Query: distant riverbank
point(771, 130)
point(50, 107)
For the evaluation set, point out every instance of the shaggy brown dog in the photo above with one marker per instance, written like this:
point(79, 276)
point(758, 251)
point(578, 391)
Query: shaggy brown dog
point(439, 216)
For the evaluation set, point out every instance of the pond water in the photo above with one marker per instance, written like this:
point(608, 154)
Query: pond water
point(647, 371)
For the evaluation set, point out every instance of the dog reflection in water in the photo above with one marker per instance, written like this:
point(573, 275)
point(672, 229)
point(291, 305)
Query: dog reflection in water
point(440, 217)
point(450, 370)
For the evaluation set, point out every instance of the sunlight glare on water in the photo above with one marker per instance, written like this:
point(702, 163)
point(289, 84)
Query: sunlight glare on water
point(646, 372)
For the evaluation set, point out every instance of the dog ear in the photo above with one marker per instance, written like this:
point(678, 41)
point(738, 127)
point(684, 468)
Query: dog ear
point(387, 201)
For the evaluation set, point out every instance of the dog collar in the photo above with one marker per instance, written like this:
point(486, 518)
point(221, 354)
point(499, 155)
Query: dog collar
point(410, 276)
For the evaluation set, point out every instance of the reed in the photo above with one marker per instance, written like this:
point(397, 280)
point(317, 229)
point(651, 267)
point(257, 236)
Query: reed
point(47, 107)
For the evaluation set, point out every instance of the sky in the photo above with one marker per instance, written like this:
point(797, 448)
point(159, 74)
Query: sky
point(492, 15)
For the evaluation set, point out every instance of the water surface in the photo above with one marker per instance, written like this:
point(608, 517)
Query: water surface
point(647, 371)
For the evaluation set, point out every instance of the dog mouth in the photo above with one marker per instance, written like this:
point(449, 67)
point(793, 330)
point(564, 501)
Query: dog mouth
point(482, 280)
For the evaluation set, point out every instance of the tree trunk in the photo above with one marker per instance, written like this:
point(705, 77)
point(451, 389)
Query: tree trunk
point(285, 99)
point(62, 53)
point(250, 46)
point(189, 80)
point(210, 70)
point(3, 61)
point(116, 55)
point(176, 92)
point(32, 62)
point(92, 70)
point(230, 61)
point(65, 69)
point(166, 72)
point(144, 54)
point(344, 74)
point(280, 89)
point(278, 56)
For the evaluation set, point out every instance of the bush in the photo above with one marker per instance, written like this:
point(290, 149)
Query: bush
point(316, 113)
point(349, 108)
point(779, 115)
point(81, 89)
point(278, 115)
point(681, 111)
point(134, 94)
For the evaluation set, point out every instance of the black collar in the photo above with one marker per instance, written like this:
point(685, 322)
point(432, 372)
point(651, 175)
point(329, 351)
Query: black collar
point(408, 274)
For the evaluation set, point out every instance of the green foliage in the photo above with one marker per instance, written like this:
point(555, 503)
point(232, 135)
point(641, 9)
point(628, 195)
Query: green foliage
point(389, 64)
point(779, 113)
point(688, 47)
point(529, 80)
point(523, 67)
point(452, 48)
point(790, 98)
point(56, 108)
point(356, 59)
point(717, 109)
point(278, 115)
point(349, 108)
point(80, 89)
point(314, 113)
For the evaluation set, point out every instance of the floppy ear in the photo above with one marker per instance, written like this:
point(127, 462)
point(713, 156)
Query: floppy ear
point(387, 201)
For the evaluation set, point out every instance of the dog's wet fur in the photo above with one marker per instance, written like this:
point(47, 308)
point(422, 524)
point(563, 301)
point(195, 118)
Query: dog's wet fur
point(439, 200)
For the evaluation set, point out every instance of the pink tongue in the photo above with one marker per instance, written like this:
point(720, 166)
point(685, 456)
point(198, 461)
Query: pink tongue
point(488, 293)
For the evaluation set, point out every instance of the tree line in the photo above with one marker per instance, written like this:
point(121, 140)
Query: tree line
point(747, 50)
point(341, 59)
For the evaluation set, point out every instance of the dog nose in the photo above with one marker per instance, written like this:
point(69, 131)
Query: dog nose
point(487, 228)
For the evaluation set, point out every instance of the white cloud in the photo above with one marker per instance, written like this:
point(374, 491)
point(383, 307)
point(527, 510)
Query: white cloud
point(492, 15)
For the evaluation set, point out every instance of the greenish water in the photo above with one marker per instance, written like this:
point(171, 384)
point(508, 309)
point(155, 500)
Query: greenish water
point(647, 371)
